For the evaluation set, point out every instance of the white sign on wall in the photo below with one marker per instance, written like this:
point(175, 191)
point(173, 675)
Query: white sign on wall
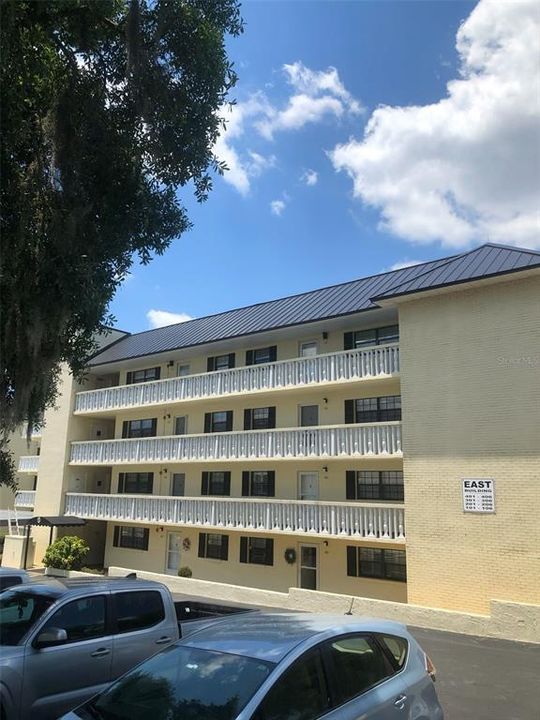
point(479, 495)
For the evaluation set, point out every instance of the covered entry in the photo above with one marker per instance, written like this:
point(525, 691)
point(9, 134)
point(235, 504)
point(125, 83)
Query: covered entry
point(50, 522)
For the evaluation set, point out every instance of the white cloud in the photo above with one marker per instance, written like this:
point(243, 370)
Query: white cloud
point(277, 207)
point(402, 264)
point(466, 168)
point(310, 177)
point(160, 318)
point(315, 95)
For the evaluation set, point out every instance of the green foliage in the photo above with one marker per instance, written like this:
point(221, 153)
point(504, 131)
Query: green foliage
point(110, 109)
point(66, 553)
point(185, 571)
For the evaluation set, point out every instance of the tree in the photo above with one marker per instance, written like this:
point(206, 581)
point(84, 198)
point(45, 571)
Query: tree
point(109, 108)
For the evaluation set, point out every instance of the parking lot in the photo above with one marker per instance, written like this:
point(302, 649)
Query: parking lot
point(484, 679)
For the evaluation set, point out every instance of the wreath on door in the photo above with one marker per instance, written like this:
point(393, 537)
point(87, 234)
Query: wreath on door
point(186, 544)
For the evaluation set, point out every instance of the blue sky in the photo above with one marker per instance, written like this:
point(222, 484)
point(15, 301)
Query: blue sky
point(311, 200)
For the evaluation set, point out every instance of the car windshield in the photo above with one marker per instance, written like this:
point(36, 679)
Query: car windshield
point(181, 683)
point(18, 612)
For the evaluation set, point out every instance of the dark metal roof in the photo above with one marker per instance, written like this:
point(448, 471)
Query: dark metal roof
point(483, 262)
point(330, 302)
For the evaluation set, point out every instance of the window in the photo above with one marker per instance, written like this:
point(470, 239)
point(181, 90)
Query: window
point(299, 694)
point(374, 485)
point(377, 409)
point(135, 538)
point(256, 550)
point(136, 482)
point(374, 336)
point(261, 355)
point(309, 349)
point(216, 483)
point(258, 483)
point(376, 563)
point(218, 421)
point(309, 415)
point(140, 376)
point(178, 484)
point(138, 610)
point(139, 428)
point(182, 370)
point(7, 581)
point(220, 362)
point(180, 425)
point(357, 663)
point(397, 647)
point(260, 418)
point(214, 546)
point(82, 619)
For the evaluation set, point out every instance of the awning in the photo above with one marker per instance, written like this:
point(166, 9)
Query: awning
point(57, 521)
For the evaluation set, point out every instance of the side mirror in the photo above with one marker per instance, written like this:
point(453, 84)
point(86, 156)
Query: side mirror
point(51, 636)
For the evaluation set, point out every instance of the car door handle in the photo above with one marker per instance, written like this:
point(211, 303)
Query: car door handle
point(100, 652)
point(400, 702)
point(163, 640)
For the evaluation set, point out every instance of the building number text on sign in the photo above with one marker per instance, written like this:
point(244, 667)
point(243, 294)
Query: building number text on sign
point(479, 495)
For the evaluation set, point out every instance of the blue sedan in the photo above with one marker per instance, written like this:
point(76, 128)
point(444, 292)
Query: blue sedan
point(278, 667)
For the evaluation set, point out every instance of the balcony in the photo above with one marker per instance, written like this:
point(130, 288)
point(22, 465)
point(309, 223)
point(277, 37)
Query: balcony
point(25, 498)
point(340, 520)
point(342, 367)
point(339, 441)
point(28, 464)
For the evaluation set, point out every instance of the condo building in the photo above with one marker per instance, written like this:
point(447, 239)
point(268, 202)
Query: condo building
point(379, 438)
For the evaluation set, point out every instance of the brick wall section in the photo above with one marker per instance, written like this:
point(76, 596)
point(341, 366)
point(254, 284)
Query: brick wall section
point(471, 408)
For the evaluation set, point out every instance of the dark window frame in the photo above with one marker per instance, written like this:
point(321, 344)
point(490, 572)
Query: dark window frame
point(248, 483)
point(382, 569)
point(148, 375)
point(251, 422)
point(139, 478)
point(206, 550)
point(375, 409)
point(378, 490)
point(351, 341)
point(130, 432)
point(262, 355)
point(210, 421)
point(208, 478)
point(253, 555)
point(214, 363)
point(121, 537)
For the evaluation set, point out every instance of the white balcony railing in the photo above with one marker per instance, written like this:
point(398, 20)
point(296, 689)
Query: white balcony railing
point(377, 361)
point(304, 442)
point(377, 521)
point(28, 464)
point(25, 498)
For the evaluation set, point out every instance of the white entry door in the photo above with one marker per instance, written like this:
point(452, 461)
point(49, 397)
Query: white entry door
point(172, 563)
point(309, 567)
point(308, 486)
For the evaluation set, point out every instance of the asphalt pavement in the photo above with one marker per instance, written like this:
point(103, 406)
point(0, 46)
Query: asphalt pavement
point(484, 679)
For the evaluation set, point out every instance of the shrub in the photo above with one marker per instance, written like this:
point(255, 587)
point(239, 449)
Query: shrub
point(185, 571)
point(66, 553)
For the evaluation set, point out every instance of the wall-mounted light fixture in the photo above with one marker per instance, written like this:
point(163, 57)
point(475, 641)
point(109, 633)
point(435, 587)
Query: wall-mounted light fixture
point(167, 416)
point(325, 468)
point(325, 335)
point(170, 363)
point(325, 401)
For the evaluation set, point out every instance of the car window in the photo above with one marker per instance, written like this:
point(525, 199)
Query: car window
point(18, 612)
point(7, 581)
point(181, 683)
point(397, 646)
point(299, 694)
point(82, 619)
point(356, 664)
point(138, 610)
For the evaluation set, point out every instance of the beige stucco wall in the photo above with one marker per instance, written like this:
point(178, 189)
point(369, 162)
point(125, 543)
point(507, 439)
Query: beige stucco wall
point(279, 577)
point(470, 387)
point(18, 445)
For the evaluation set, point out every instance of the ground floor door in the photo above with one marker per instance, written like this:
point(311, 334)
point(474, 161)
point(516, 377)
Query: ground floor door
point(309, 567)
point(174, 544)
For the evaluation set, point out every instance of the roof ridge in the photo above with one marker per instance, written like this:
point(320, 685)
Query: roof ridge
point(511, 247)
